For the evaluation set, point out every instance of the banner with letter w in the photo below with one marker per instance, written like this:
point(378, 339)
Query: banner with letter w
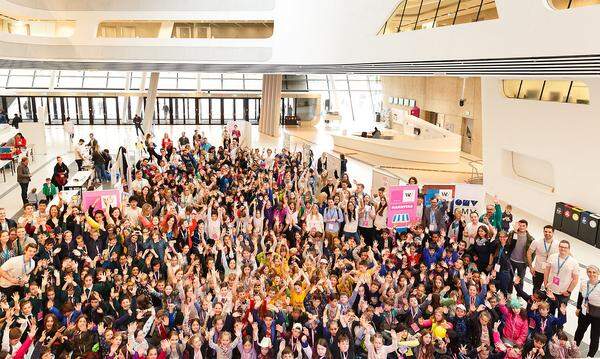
point(402, 202)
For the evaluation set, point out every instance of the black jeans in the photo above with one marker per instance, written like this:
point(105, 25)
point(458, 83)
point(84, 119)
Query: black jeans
point(582, 324)
point(518, 269)
point(538, 280)
point(24, 187)
point(79, 164)
point(138, 129)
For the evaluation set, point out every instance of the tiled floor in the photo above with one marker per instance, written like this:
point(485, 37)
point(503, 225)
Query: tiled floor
point(359, 166)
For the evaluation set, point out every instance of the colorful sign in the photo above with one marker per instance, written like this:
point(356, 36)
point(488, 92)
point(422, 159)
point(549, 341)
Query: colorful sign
point(445, 192)
point(402, 206)
point(101, 199)
point(469, 198)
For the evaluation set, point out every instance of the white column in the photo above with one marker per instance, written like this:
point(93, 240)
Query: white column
point(140, 103)
point(270, 109)
point(124, 112)
point(53, 80)
point(150, 102)
point(334, 102)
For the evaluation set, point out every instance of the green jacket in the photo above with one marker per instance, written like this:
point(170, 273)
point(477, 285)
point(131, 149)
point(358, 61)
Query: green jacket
point(49, 190)
point(496, 218)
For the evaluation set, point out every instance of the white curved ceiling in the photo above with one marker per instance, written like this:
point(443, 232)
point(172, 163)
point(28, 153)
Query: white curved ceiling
point(528, 38)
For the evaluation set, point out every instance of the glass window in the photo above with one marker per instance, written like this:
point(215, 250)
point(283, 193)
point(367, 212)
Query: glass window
point(117, 83)
point(359, 85)
point(253, 76)
point(579, 93)
point(70, 82)
point(569, 4)
point(3, 80)
point(71, 73)
point(317, 77)
point(255, 85)
point(412, 15)
point(531, 89)
point(187, 84)
point(210, 75)
point(511, 88)
point(95, 73)
point(167, 83)
point(94, 82)
point(228, 104)
point(22, 72)
point(556, 91)
point(206, 84)
point(317, 85)
point(549, 90)
point(20, 81)
point(233, 84)
point(233, 76)
point(341, 85)
point(41, 81)
point(215, 109)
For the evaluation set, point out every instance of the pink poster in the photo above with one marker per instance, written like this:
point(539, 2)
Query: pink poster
point(402, 202)
point(101, 199)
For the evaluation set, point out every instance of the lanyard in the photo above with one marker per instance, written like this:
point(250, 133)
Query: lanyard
point(25, 265)
point(546, 248)
point(559, 264)
point(500, 253)
point(588, 291)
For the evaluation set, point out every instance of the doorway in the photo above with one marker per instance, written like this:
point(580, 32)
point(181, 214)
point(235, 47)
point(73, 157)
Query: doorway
point(467, 135)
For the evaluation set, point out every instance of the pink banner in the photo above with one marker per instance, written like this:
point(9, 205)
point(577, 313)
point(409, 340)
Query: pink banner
point(101, 199)
point(402, 206)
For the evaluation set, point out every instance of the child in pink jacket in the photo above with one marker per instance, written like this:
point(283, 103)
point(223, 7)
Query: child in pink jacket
point(516, 324)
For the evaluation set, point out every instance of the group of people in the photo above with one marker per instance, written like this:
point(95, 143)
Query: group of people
point(222, 251)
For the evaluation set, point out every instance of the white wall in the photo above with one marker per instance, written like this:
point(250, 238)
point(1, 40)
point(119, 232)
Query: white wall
point(322, 32)
point(567, 136)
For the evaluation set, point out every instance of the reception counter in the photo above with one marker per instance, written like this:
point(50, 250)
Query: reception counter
point(410, 138)
point(442, 150)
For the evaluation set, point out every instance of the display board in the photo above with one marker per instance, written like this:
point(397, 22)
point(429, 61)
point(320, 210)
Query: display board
point(469, 198)
point(101, 199)
point(333, 164)
point(402, 206)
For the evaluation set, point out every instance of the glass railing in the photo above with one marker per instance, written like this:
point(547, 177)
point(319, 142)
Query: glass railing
point(547, 90)
point(235, 29)
point(41, 28)
point(569, 4)
point(411, 15)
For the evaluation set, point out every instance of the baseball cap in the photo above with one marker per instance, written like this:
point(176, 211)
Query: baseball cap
point(462, 307)
point(297, 326)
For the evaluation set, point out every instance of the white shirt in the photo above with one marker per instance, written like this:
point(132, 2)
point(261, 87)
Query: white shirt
point(542, 251)
point(594, 293)
point(558, 281)
point(351, 226)
point(17, 268)
point(137, 185)
point(132, 215)
point(471, 231)
point(315, 221)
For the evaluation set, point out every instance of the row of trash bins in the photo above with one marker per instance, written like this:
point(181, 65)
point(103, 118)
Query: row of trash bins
point(577, 223)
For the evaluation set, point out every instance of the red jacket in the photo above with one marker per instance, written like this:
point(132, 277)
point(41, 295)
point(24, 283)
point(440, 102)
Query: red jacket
point(515, 326)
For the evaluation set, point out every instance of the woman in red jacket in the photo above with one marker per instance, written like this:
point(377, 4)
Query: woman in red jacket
point(20, 142)
point(167, 144)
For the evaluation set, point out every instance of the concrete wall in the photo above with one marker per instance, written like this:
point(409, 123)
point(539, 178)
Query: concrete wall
point(555, 142)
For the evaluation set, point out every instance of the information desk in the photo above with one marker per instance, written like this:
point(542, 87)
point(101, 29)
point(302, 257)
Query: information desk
point(79, 180)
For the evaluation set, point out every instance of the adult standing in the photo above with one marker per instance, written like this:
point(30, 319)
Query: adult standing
point(537, 256)
point(14, 273)
point(561, 275)
point(80, 154)
point(520, 241)
point(16, 121)
point(434, 215)
point(6, 224)
point(322, 163)
point(61, 173)
point(588, 310)
point(23, 177)
point(137, 122)
point(69, 128)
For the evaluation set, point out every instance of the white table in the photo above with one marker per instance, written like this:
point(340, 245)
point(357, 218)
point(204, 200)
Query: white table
point(79, 180)
point(67, 196)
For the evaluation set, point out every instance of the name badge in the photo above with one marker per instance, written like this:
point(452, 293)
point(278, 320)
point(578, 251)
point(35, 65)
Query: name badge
point(556, 280)
point(515, 236)
point(415, 327)
point(497, 267)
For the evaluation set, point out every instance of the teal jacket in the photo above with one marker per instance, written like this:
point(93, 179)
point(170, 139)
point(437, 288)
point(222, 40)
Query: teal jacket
point(496, 218)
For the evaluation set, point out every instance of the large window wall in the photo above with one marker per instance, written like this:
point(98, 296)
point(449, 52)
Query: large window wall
point(356, 97)
point(547, 90)
point(569, 4)
point(411, 15)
